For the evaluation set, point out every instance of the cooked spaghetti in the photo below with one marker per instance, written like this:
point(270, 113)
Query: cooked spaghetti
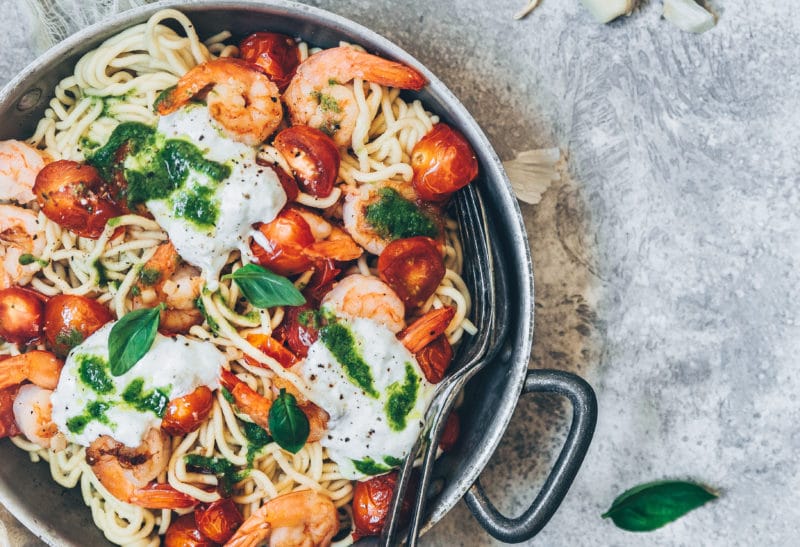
point(362, 230)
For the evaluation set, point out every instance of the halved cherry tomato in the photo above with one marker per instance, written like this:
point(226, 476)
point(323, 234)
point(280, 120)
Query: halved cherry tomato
point(70, 319)
point(299, 329)
point(219, 520)
point(74, 196)
point(185, 414)
point(435, 358)
point(413, 267)
point(183, 532)
point(321, 282)
point(8, 425)
point(276, 53)
point(451, 430)
point(443, 161)
point(271, 347)
point(371, 501)
point(21, 315)
point(313, 157)
point(285, 239)
point(287, 181)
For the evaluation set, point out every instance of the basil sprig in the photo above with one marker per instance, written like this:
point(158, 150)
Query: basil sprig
point(652, 505)
point(288, 424)
point(131, 337)
point(264, 289)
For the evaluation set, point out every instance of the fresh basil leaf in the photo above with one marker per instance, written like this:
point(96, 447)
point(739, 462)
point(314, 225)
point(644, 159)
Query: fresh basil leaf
point(288, 424)
point(264, 289)
point(652, 505)
point(131, 337)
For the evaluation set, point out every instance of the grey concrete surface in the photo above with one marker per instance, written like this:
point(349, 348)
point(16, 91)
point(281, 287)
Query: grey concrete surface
point(666, 260)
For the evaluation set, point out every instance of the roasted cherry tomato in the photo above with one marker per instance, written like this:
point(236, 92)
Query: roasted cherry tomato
point(218, 520)
point(21, 315)
point(435, 358)
point(74, 196)
point(299, 329)
point(185, 414)
point(321, 282)
point(70, 319)
point(284, 240)
point(443, 161)
point(371, 501)
point(451, 430)
point(8, 425)
point(271, 347)
point(313, 157)
point(413, 267)
point(276, 53)
point(183, 532)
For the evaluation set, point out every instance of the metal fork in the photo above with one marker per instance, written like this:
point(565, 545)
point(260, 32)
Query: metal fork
point(480, 276)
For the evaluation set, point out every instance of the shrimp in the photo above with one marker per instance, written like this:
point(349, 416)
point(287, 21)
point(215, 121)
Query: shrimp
point(40, 367)
point(164, 278)
point(366, 296)
point(319, 97)
point(20, 234)
point(330, 241)
point(427, 328)
point(33, 413)
point(257, 406)
point(129, 473)
point(19, 165)
point(297, 519)
point(242, 98)
point(354, 213)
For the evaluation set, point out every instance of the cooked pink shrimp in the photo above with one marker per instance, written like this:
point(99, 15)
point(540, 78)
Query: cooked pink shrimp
point(33, 413)
point(356, 201)
point(129, 473)
point(319, 96)
point(20, 234)
point(241, 98)
point(367, 296)
point(297, 519)
point(40, 367)
point(19, 165)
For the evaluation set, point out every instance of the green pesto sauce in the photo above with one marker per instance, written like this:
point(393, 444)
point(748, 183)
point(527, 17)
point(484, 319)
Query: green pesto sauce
point(257, 438)
point(368, 466)
point(327, 103)
point(156, 169)
point(401, 399)
point(93, 372)
point(149, 276)
point(341, 343)
point(392, 461)
point(225, 471)
point(227, 395)
point(69, 339)
point(394, 217)
point(154, 401)
point(214, 326)
point(95, 411)
point(102, 277)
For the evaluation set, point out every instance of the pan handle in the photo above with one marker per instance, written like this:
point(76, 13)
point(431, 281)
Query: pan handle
point(584, 418)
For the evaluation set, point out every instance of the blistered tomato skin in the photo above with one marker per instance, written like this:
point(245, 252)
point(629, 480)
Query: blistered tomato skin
point(435, 358)
point(443, 162)
point(413, 267)
point(371, 501)
point(285, 238)
point(74, 196)
point(451, 431)
point(277, 54)
point(313, 157)
point(299, 329)
point(21, 315)
point(219, 520)
point(183, 532)
point(71, 319)
point(185, 414)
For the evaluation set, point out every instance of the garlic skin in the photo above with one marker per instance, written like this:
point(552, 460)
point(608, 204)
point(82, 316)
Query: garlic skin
point(688, 15)
point(607, 10)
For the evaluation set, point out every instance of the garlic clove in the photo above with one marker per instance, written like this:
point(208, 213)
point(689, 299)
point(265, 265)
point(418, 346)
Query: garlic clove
point(607, 10)
point(688, 15)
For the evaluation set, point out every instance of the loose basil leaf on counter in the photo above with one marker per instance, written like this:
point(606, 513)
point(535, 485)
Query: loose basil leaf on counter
point(652, 505)
point(264, 289)
point(131, 337)
point(288, 424)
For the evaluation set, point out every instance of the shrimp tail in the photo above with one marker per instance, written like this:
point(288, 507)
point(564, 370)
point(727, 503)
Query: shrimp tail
point(40, 367)
point(247, 399)
point(343, 250)
point(161, 496)
point(426, 329)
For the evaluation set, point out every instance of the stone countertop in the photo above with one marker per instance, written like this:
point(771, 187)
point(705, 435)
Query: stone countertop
point(666, 258)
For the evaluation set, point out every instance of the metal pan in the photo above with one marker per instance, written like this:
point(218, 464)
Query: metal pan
point(59, 516)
